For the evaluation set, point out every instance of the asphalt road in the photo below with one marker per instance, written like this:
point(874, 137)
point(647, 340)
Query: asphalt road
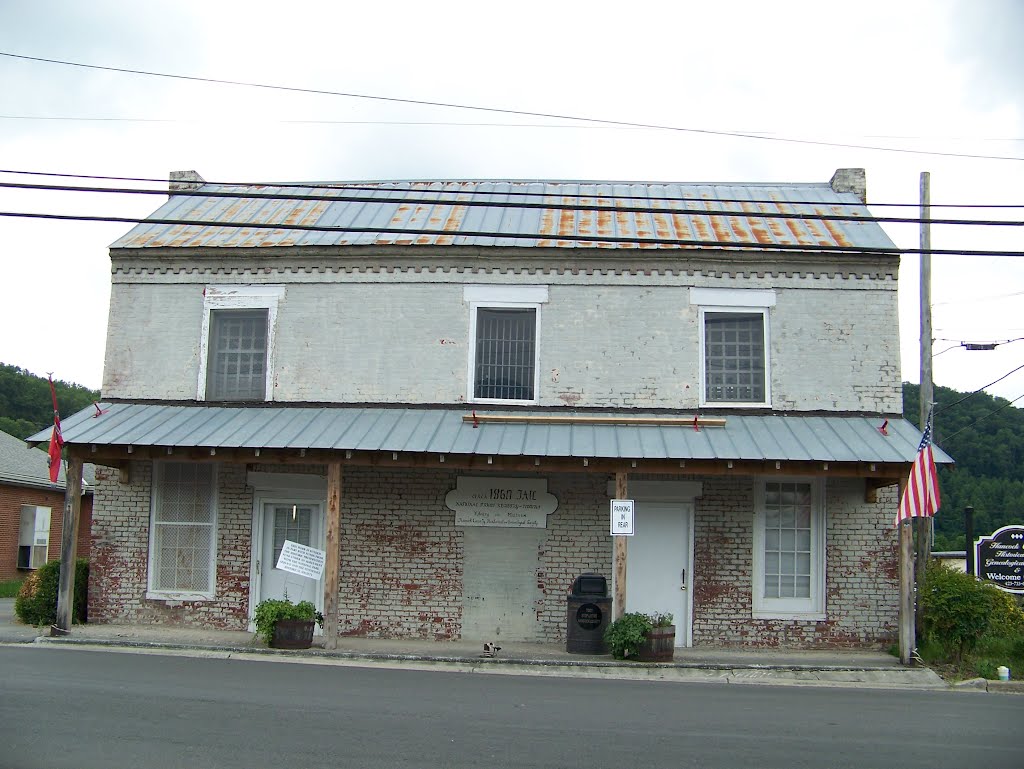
point(62, 707)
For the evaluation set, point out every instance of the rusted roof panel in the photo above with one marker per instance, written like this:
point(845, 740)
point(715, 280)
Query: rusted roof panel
point(376, 213)
point(443, 431)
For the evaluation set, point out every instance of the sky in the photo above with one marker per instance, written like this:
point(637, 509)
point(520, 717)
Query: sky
point(907, 87)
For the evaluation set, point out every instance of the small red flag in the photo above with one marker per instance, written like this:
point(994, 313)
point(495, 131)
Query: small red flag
point(56, 439)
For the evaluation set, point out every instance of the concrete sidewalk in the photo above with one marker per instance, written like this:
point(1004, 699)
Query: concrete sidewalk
point(707, 664)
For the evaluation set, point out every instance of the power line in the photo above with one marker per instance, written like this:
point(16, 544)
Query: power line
point(980, 389)
point(500, 110)
point(982, 419)
point(561, 206)
point(582, 238)
point(450, 123)
point(395, 186)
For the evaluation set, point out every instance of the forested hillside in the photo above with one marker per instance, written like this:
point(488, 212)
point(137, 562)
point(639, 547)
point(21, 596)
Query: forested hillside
point(985, 435)
point(25, 403)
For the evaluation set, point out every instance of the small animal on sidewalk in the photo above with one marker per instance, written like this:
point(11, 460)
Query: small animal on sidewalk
point(490, 650)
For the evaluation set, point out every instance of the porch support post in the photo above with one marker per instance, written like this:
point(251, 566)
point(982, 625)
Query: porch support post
point(333, 566)
point(619, 566)
point(906, 614)
point(68, 547)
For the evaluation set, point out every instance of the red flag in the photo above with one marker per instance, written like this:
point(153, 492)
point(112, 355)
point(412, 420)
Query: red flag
point(921, 497)
point(56, 439)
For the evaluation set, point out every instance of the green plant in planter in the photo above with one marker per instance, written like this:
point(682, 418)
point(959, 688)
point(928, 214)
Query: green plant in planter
point(271, 610)
point(626, 634)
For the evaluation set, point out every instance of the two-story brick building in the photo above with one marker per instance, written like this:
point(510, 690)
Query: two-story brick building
point(441, 383)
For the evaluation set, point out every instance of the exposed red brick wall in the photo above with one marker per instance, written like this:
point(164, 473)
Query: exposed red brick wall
point(11, 500)
point(118, 577)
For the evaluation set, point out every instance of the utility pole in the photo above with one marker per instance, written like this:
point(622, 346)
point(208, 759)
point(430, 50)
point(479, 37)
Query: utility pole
point(924, 523)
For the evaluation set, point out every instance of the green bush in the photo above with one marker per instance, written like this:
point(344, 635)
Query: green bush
point(959, 610)
point(625, 634)
point(36, 603)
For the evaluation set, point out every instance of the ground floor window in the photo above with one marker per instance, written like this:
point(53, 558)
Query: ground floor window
point(789, 550)
point(182, 552)
point(33, 536)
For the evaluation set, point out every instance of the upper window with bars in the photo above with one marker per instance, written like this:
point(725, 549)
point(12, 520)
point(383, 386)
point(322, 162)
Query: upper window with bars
point(237, 346)
point(504, 333)
point(506, 352)
point(735, 364)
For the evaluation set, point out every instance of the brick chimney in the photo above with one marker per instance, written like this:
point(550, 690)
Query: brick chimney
point(851, 180)
point(189, 180)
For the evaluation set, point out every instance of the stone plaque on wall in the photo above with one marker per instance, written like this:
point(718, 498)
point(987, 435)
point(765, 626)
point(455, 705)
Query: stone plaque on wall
point(517, 503)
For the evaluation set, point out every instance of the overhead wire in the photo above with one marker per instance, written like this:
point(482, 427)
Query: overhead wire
point(459, 200)
point(975, 392)
point(982, 419)
point(500, 110)
point(397, 186)
point(578, 237)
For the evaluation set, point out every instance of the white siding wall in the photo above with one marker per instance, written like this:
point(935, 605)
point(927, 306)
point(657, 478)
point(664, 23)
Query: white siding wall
point(607, 340)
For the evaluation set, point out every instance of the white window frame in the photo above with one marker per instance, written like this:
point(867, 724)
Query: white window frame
point(740, 301)
point(809, 609)
point(503, 297)
point(181, 595)
point(240, 297)
point(34, 533)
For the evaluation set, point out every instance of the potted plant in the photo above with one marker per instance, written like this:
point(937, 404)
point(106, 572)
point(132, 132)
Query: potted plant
point(286, 625)
point(648, 637)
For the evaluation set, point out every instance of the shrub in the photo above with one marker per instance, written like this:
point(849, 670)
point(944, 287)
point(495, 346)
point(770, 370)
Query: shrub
point(958, 609)
point(36, 603)
point(625, 634)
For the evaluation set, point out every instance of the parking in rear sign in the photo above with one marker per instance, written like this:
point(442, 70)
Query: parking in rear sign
point(622, 517)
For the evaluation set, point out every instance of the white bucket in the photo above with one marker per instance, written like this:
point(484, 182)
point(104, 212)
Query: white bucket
point(1004, 673)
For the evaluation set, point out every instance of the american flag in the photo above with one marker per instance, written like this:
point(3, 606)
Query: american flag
point(921, 497)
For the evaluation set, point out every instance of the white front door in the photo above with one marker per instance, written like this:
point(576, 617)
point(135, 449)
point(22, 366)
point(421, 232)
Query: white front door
point(300, 521)
point(658, 556)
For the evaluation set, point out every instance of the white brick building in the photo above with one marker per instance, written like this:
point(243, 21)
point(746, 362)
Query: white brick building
point(439, 384)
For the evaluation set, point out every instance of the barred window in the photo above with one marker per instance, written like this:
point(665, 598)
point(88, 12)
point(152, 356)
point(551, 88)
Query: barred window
point(183, 528)
point(734, 357)
point(237, 365)
point(506, 351)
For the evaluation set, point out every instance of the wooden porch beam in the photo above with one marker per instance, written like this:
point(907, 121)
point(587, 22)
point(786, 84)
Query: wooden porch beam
point(619, 555)
point(332, 567)
point(906, 608)
point(68, 548)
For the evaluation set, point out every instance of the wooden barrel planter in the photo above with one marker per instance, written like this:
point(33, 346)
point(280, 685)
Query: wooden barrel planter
point(292, 634)
point(660, 645)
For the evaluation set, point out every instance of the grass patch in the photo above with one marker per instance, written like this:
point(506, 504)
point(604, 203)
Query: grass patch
point(9, 587)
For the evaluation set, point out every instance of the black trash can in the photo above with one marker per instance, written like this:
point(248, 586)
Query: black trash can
point(588, 614)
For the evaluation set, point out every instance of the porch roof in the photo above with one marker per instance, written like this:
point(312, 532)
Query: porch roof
point(445, 431)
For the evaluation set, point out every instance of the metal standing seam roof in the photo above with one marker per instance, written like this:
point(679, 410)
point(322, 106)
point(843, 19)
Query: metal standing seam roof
point(443, 431)
point(441, 205)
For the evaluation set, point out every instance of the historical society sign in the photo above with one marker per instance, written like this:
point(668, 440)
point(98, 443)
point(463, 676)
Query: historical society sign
point(1000, 558)
point(518, 503)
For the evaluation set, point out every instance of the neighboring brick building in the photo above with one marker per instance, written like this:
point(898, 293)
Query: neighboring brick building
point(32, 509)
point(461, 371)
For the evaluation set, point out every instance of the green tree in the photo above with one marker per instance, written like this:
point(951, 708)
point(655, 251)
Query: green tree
point(26, 406)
